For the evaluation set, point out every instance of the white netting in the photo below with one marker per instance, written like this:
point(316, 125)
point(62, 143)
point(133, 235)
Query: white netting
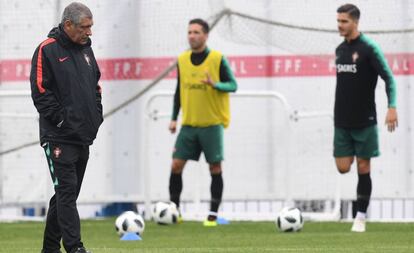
point(315, 32)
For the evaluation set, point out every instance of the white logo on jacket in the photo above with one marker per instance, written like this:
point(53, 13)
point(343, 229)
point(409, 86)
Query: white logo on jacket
point(355, 56)
point(87, 59)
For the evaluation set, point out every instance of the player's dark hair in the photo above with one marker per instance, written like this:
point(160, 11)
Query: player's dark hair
point(201, 22)
point(351, 9)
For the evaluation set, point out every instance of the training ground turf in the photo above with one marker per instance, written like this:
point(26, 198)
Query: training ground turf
point(99, 236)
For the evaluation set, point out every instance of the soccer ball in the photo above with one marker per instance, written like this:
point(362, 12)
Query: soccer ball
point(290, 219)
point(165, 213)
point(129, 222)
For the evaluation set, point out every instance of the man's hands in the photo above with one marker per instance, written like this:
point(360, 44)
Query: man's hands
point(391, 119)
point(208, 80)
point(173, 126)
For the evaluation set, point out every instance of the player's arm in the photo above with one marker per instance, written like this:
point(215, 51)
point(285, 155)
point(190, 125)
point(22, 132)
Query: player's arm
point(99, 98)
point(227, 81)
point(176, 105)
point(41, 81)
point(98, 89)
point(381, 66)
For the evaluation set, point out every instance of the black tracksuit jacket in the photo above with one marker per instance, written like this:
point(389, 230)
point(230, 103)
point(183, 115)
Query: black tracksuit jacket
point(65, 91)
point(358, 65)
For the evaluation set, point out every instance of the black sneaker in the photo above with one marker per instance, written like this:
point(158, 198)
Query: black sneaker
point(81, 250)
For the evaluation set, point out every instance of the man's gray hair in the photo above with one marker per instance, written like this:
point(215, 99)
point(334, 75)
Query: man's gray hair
point(75, 11)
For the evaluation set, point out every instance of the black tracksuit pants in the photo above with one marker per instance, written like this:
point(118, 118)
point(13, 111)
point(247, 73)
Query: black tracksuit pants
point(67, 164)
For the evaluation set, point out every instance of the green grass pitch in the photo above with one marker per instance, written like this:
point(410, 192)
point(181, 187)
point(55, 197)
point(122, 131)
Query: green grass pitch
point(99, 236)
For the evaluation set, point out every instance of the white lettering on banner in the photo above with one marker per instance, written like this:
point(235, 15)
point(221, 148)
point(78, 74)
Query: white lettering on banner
point(406, 65)
point(287, 65)
point(398, 64)
point(126, 68)
point(243, 66)
point(22, 70)
point(19, 70)
point(238, 67)
point(242, 69)
point(332, 65)
point(276, 65)
point(298, 65)
point(395, 66)
point(138, 68)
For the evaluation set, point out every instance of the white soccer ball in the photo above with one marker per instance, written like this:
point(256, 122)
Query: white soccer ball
point(165, 213)
point(129, 222)
point(290, 219)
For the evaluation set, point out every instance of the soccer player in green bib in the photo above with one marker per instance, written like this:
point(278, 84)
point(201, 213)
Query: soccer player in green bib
point(359, 62)
point(204, 80)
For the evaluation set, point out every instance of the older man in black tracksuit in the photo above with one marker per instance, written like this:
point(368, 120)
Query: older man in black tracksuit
point(65, 91)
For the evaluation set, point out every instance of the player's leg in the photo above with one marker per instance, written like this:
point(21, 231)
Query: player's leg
point(186, 148)
point(81, 167)
point(216, 190)
point(366, 147)
point(364, 186)
point(65, 158)
point(344, 150)
point(52, 234)
point(80, 172)
point(176, 181)
point(343, 164)
point(211, 139)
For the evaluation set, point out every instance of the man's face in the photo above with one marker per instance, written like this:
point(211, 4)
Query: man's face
point(346, 25)
point(81, 32)
point(196, 36)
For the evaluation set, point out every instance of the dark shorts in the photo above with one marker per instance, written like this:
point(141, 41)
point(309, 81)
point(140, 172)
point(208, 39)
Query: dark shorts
point(361, 142)
point(191, 141)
